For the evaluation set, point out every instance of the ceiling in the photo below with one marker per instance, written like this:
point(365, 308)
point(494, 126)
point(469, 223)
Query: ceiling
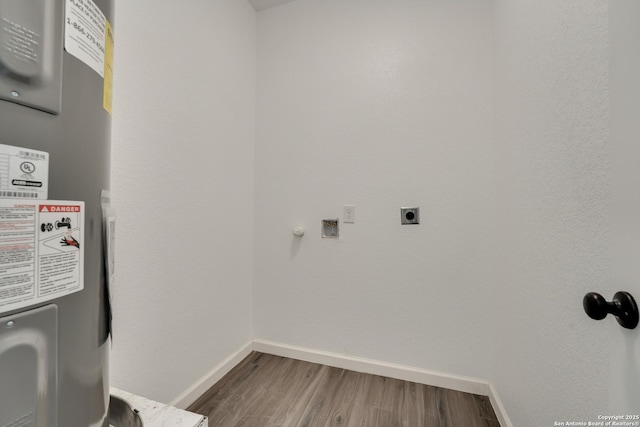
point(259, 5)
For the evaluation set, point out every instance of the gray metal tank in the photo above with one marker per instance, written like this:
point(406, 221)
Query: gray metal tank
point(54, 354)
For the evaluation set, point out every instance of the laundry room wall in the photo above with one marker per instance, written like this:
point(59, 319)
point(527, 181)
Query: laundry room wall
point(381, 105)
point(182, 183)
point(491, 116)
point(552, 209)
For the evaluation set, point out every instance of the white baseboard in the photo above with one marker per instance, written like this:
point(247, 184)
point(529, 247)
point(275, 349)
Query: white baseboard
point(375, 367)
point(191, 394)
point(498, 407)
point(358, 364)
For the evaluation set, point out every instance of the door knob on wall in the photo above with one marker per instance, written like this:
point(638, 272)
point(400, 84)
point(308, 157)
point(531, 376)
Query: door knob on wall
point(623, 306)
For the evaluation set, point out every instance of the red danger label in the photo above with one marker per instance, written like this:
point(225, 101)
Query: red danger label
point(58, 208)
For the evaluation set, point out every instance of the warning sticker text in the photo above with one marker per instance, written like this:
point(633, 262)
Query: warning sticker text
point(41, 252)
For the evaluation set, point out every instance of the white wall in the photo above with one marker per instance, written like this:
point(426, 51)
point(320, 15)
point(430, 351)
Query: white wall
point(378, 104)
point(552, 187)
point(182, 183)
point(491, 116)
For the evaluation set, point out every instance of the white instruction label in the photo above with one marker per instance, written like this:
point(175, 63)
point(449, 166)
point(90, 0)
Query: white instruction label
point(85, 33)
point(41, 251)
point(24, 173)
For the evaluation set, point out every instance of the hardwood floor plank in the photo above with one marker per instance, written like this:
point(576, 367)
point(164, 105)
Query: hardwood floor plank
point(259, 403)
point(297, 397)
point(318, 409)
point(484, 406)
point(441, 408)
point(463, 408)
point(415, 407)
point(373, 416)
point(374, 393)
point(250, 421)
point(392, 393)
point(273, 391)
point(363, 385)
point(215, 390)
point(342, 410)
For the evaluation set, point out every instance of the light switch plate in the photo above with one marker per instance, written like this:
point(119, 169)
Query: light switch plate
point(349, 214)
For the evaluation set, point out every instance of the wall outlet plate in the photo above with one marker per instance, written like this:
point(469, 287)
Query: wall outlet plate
point(349, 214)
point(410, 215)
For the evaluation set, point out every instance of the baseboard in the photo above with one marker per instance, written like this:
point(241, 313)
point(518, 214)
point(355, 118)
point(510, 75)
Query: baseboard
point(498, 407)
point(210, 378)
point(368, 366)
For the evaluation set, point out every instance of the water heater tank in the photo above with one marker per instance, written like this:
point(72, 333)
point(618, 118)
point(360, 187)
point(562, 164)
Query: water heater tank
point(56, 60)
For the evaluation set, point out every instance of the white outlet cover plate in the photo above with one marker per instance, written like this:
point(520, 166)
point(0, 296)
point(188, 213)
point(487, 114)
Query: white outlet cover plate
point(349, 214)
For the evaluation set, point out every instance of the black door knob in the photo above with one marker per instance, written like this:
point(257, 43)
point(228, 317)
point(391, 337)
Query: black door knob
point(623, 306)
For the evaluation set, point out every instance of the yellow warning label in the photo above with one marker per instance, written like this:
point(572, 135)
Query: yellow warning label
point(108, 69)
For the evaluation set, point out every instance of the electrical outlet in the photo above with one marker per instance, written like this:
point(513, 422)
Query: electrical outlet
point(410, 215)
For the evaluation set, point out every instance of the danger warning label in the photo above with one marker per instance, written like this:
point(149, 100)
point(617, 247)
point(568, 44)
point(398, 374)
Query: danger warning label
point(58, 208)
point(41, 251)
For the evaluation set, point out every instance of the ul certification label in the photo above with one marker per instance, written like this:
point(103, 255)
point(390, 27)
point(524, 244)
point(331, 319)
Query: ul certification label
point(24, 173)
point(41, 251)
point(85, 33)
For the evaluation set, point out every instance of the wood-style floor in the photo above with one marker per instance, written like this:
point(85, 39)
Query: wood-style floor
point(268, 391)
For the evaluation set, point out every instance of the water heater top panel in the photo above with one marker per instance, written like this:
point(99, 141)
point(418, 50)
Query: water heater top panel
point(31, 49)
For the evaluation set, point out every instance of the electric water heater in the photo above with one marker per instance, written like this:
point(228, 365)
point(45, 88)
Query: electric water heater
point(56, 59)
